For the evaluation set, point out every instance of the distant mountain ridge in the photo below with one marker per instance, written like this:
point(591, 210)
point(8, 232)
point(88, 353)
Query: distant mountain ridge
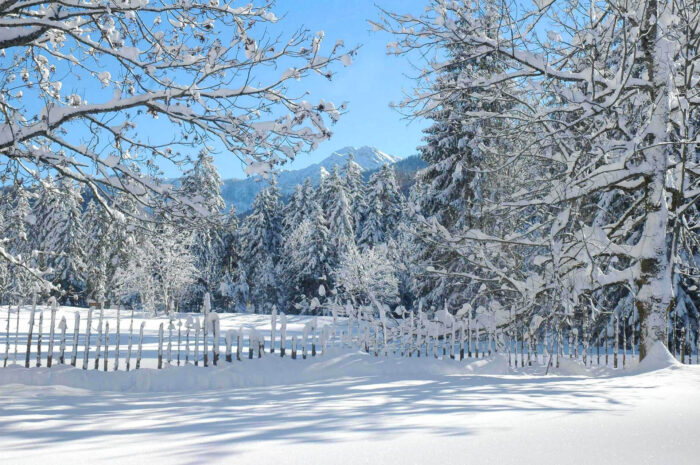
point(240, 193)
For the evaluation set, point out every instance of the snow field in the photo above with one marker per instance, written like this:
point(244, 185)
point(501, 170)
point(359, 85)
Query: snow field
point(352, 408)
point(347, 407)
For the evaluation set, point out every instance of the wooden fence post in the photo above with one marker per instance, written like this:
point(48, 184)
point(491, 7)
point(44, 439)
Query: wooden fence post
point(632, 341)
point(196, 341)
point(251, 336)
point(229, 343)
point(38, 341)
point(617, 342)
point(313, 338)
point(160, 346)
point(239, 344)
point(52, 333)
point(624, 343)
point(294, 347)
point(469, 336)
point(76, 335)
point(188, 326)
point(62, 346)
point(7, 335)
point(29, 334)
point(273, 328)
point(560, 343)
point(140, 347)
point(324, 339)
point(106, 360)
point(607, 346)
point(205, 324)
point(683, 344)
point(14, 358)
point(171, 326)
point(131, 341)
point(409, 337)
point(179, 339)
point(304, 336)
point(283, 334)
point(419, 338)
point(99, 338)
point(435, 341)
point(508, 344)
point(216, 329)
point(117, 343)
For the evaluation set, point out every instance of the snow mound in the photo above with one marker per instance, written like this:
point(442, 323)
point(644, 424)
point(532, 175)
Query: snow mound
point(495, 365)
point(268, 371)
point(571, 367)
point(658, 358)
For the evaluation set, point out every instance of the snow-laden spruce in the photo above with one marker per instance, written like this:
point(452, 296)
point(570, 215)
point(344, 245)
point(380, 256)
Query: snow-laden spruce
point(601, 123)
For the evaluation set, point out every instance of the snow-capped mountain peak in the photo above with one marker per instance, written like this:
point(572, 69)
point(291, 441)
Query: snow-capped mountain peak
point(367, 158)
point(240, 192)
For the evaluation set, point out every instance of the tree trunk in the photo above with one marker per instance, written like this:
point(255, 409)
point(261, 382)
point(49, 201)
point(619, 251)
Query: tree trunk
point(653, 277)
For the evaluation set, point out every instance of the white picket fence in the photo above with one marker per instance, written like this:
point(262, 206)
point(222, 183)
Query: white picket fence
point(200, 342)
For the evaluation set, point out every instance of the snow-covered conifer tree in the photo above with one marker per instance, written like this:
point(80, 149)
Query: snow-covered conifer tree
point(260, 241)
point(356, 192)
point(384, 208)
point(58, 235)
point(304, 261)
point(203, 185)
point(338, 210)
point(605, 106)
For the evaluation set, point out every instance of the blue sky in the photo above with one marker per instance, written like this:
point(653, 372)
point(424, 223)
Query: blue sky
point(369, 85)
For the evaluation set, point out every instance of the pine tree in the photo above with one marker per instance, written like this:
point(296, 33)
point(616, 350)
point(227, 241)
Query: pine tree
point(296, 209)
point(58, 235)
point(230, 266)
point(338, 211)
point(304, 263)
point(384, 210)
point(17, 218)
point(356, 191)
point(202, 184)
point(619, 135)
point(261, 238)
point(99, 246)
point(451, 190)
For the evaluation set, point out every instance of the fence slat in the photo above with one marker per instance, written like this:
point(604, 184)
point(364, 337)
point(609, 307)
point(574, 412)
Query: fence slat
point(62, 348)
point(76, 334)
point(118, 336)
point(29, 333)
point(7, 336)
point(140, 347)
point(54, 309)
point(38, 340)
point(106, 358)
point(98, 348)
point(160, 346)
point(131, 340)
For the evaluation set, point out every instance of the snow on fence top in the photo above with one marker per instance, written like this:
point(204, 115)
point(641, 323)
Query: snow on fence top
point(185, 339)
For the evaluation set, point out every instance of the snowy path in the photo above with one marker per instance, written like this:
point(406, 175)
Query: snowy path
point(393, 414)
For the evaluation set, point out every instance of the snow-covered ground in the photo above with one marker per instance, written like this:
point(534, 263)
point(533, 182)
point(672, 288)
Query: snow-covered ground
point(347, 407)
